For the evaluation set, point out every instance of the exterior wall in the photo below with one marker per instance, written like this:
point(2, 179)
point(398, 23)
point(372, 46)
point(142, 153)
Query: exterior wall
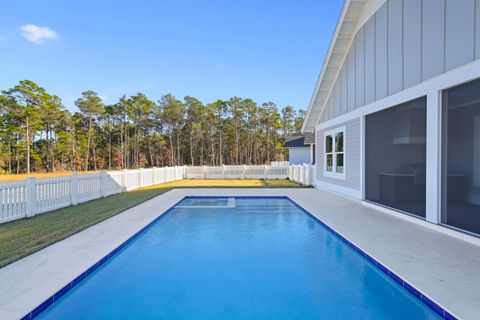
point(299, 155)
point(405, 43)
point(423, 58)
point(352, 156)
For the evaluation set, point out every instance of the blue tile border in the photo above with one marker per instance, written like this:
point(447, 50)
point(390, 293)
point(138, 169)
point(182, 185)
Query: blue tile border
point(416, 293)
point(60, 293)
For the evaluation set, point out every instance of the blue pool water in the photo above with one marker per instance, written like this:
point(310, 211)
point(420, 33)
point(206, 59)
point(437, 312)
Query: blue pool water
point(262, 259)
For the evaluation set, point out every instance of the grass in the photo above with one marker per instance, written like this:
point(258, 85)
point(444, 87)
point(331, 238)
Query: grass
point(45, 175)
point(26, 236)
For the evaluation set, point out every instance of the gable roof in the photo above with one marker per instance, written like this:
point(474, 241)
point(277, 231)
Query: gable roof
point(304, 140)
point(340, 44)
point(296, 141)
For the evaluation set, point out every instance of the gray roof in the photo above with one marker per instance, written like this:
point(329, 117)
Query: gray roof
point(304, 140)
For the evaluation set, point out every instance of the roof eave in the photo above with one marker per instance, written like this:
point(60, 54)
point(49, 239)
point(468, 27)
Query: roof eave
point(309, 123)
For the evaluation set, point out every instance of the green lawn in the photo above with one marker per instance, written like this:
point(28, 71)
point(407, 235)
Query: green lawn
point(26, 236)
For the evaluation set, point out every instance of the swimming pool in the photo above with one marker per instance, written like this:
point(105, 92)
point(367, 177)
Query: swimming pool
point(242, 258)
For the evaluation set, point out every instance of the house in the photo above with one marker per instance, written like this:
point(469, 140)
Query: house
point(396, 109)
point(301, 148)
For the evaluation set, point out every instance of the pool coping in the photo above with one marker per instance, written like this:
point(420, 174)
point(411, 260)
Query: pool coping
point(60, 293)
point(438, 262)
point(427, 301)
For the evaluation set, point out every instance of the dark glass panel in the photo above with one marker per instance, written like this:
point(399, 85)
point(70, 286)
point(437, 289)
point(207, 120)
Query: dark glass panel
point(461, 157)
point(395, 157)
point(340, 163)
point(339, 142)
point(328, 144)
point(329, 162)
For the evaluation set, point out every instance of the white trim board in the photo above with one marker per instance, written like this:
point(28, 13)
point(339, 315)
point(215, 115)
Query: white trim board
point(370, 8)
point(459, 234)
point(441, 82)
point(339, 190)
point(348, 16)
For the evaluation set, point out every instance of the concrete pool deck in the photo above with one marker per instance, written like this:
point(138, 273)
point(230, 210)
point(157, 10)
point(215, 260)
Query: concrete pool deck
point(441, 263)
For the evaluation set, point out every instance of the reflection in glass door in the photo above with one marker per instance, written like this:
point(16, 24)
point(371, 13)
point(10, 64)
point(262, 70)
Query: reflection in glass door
point(461, 157)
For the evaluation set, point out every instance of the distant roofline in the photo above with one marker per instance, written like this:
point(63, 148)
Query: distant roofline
point(298, 141)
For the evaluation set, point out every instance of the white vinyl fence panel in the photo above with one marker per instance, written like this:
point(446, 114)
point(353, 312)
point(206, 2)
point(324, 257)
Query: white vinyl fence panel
point(113, 183)
point(52, 194)
point(34, 196)
point(234, 172)
point(255, 172)
point(89, 187)
point(13, 201)
point(250, 172)
point(195, 173)
point(302, 173)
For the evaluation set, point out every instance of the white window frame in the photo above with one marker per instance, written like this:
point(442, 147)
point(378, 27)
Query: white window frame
point(334, 173)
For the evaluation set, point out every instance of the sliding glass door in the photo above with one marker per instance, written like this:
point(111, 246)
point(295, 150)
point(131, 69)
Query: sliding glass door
point(461, 157)
point(395, 157)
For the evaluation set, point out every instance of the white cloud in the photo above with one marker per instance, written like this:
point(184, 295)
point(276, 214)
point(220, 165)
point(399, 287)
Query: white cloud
point(37, 34)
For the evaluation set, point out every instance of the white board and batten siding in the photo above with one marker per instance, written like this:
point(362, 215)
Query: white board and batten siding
point(400, 47)
point(403, 44)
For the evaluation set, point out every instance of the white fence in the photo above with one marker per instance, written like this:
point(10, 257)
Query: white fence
point(304, 173)
point(34, 196)
point(237, 172)
point(279, 163)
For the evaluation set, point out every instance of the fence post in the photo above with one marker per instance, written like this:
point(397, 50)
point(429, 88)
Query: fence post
point(184, 175)
point(204, 172)
point(312, 175)
point(244, 171)
point(155, 176)
point(140, 177)
point(265, 172)
point(31, 196)
point(74, 189)
point(124, 180)
point(307, 175)
point(103, 184)
point(223, 171)
point(174, 173)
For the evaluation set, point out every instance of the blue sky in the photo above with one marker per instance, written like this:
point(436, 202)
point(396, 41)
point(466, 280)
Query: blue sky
point(263, 49)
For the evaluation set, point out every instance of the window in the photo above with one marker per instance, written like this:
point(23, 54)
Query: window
point(334, 163)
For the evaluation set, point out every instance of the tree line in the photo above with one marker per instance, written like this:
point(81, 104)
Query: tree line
point(38, 134)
